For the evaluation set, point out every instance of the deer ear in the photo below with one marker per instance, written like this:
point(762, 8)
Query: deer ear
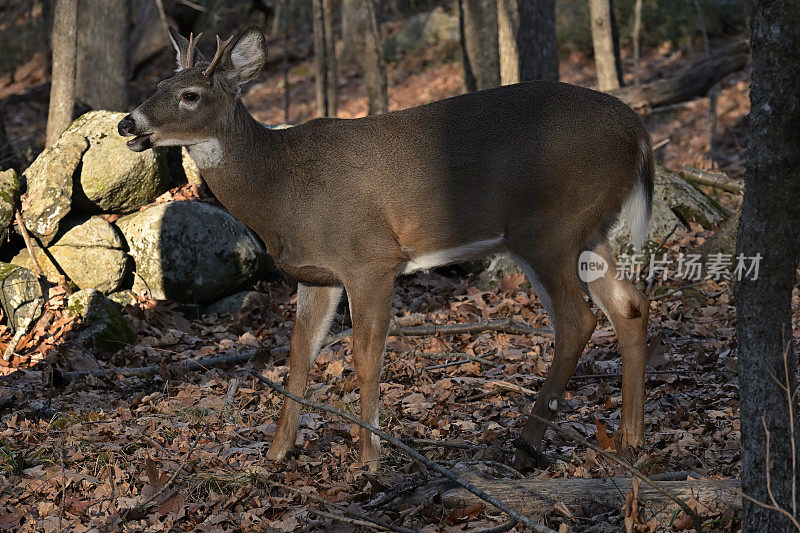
point(246, 57)
point(181, 45)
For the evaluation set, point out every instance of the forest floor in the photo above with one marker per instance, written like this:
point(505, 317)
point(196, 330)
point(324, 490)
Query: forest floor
point(79, 454)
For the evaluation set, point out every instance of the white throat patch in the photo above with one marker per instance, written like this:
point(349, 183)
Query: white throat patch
point(206, 154)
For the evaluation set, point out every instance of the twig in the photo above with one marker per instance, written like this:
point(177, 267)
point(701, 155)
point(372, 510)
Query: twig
point(133, 512)
point(505, 325)
point(451, 363)
point(28, 243)
point(678, 289)
point(634, 472)
point(408, 450)
point(752, 500)
point(345, 519)
point(499, 529)
point(717, 180)
point(338, 507)
point(447, 355)
point(637, 26)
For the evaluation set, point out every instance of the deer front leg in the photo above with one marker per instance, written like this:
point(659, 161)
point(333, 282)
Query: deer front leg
point(315, 308)
point(370, 307)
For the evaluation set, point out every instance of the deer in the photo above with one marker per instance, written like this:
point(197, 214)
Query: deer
point(541, 170)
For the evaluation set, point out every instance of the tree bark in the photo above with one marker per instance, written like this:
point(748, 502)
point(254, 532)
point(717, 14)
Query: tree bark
point(321, 81)
point(102, 63)
point(149, 35)
point(372, 63)
point(354, 25)
point(584, 497)
point(332, 72)
point(606, 48)
point(769, 226)
point(62, 88)
point(527, 40)
point(479, 45)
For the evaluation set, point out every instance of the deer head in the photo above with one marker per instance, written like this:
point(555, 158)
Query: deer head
point(191, 106)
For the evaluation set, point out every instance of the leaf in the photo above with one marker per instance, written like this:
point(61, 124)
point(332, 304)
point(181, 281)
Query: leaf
point(465, 514)
point(606, 442)
point(511, 281)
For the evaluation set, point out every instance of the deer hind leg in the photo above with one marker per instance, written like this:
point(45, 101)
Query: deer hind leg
point(559, 289)
point(627, 309)
point(316, 306)
point(370, 307)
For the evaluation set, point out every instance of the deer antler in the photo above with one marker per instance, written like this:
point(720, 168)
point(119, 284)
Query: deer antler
point(221, 46)
point(190, 51)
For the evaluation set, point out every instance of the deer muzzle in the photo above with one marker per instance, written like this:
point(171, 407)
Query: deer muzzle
point(141, 140)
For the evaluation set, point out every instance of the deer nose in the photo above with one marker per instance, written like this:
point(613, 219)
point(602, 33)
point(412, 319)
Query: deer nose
point(125, 126)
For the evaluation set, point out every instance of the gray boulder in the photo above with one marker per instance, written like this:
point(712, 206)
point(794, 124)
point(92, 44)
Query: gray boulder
point(50, 186)
point(9, 199)
point(230, 305)
point(114, 179)
point(424, 29)
point(103, 325)
point(90, 252)
point(191, 252)
point(662, 221)
point(688, 202)
point(21, 294)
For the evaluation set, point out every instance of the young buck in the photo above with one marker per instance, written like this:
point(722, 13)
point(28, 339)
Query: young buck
point(540, 169)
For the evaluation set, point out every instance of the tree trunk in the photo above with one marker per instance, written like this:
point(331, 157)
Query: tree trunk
point(769, 226)
point(149, 35)
point(588, 496)
point(321, 60)
point(606, 47)
point(479, 46)
point(332, 72)
point(102, 64)
point(62, 88)
point(527, 40)
point(372, 62)
point(354, 23)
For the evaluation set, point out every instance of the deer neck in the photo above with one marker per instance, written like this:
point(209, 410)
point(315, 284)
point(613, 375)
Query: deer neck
point(229, 148)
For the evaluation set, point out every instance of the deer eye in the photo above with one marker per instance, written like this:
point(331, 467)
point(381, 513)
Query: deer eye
point(190, 96)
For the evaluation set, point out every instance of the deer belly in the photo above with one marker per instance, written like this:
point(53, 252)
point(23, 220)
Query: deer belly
point(463, 252)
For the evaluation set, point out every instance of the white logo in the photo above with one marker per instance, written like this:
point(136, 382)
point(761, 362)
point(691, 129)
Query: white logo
point(591, 266)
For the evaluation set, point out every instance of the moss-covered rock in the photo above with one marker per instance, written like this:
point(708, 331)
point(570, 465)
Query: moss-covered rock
point(191, 252)
point(9, 199)
point(50, 186)
point(688, 202)
point(21, 294)
point(114, 179)
point(103, 326)
point(91, 253)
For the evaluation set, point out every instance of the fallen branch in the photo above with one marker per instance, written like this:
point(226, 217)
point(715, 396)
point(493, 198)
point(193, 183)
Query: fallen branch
point(516, 515)
point(538, 496)
point(633, 471)
point(689, 83)
point(717, 180)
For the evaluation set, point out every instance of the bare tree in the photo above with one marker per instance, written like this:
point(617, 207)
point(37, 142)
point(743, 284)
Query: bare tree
point(635, 37)
point(605, 37)
point(102, 65)
point(373, 64)
point(479, 46)
point(62, 88)
point(769, 227)
point(324, 58)
point(527, 38)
